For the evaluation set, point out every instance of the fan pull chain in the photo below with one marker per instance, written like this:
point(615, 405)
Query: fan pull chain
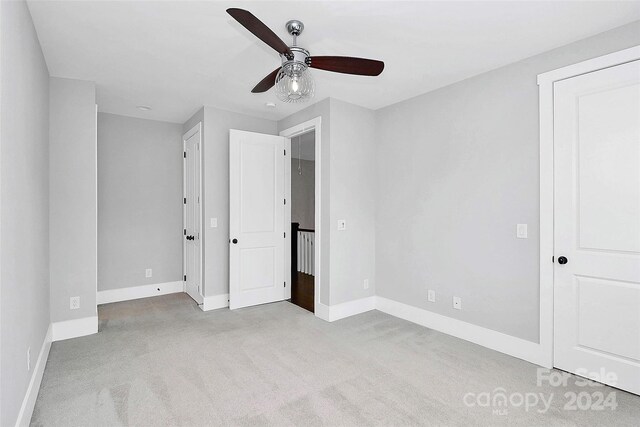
point(299, 166)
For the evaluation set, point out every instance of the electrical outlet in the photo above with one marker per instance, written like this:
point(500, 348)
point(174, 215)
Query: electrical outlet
point(366, 283)
point(28, 359)
point(74, 303)
point(457, 303)
point(214, 222)
point(342, 224)
point(431, 295)
point(148, 273)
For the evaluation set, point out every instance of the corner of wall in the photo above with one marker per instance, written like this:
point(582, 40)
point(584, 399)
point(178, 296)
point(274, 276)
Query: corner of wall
point(72, 198)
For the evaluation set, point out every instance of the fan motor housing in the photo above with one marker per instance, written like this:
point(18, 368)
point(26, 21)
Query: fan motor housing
point(298, 55)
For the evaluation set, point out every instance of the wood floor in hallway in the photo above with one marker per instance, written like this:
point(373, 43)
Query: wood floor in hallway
point(302, 291)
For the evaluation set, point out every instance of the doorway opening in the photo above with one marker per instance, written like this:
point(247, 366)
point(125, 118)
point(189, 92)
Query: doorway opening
point(303, 220)
point(312, 129)
point(260, 247)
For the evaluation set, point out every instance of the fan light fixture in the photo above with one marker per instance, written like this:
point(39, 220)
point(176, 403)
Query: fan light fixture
point(293, 79)
point(294, 82)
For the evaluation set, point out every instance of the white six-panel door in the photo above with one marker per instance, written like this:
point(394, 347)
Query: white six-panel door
point(257, 219)
point(597, 225)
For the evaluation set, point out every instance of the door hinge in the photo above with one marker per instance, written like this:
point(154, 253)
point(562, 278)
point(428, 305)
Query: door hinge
point(185, 200)
point(184, 154)
point(285, 284)
point(285, 234)
point(553, 259)
point(285, 152)
point(285, 201)
point(185, 277)
point(184, 232)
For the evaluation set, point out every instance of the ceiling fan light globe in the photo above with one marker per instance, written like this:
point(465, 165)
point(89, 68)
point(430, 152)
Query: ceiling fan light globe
point(294, 83)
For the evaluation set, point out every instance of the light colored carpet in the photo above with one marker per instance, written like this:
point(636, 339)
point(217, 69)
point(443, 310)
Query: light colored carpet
point(162, 361)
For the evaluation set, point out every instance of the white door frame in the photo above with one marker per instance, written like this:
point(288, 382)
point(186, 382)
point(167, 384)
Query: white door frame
point(309, 125)
point(546, 82)
point(185, 137)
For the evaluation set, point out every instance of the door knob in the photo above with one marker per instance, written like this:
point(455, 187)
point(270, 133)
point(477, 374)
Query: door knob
point(562, 260)
point(235, 241)
point(190, 237)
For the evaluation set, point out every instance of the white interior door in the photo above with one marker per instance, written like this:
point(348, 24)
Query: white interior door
point(597, 225)
point(192, 214)
point(257, 219)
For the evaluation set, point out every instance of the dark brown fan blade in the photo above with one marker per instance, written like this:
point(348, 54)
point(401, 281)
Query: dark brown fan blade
point(347, 65)
point(258, 28)
point(266, 83)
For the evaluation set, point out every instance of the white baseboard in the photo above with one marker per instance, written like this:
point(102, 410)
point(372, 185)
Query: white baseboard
point(136, 292)
point(214, 302)
point(29, 401)
point(74, 328)
point(331, 313)
point(516, 347)
point(322, 311)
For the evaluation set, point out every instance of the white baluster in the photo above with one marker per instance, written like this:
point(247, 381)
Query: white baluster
point(306, 251)
point(299, 258)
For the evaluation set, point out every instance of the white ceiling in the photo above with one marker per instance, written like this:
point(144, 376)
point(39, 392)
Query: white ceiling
point(177, 56)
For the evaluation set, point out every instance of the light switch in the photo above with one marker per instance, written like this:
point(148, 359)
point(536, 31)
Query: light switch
point(214, 222)
point(342, 224)
point(521, 231)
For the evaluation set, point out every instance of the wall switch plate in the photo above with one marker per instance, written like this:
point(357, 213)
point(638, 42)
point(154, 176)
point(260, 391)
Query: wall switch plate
point(521, 231)
point(431, 295)
point(366, 283)
point(214, 222)
point(342, 224)
point(457, 303)
point(74, 303)
point(28, 359)
point(148, 273)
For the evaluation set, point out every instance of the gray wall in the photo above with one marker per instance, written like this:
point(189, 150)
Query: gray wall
point(72, 197)
point(24, 228)
point(457, 170)
point(139, 201)
point(215, 152)
point(303, 193)
point(353, 191)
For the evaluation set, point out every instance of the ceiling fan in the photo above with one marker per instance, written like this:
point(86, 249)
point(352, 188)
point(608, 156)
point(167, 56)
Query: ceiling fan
point(292, 79)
